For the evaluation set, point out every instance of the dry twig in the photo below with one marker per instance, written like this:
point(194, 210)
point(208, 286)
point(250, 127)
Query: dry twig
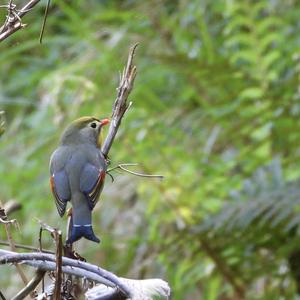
point(2, 296)
point(44, 21)
point(7, 223)
point(120, 105)
point(32, 284)
point(56, 234)
point(11, 206)
point(122, 167)
point(13, 20)
point(26, 247)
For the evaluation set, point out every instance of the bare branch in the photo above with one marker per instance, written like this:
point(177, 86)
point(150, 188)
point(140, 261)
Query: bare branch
point(124, 288)
point(83, 269)
point(141, 290)
point(120, 105)
point(58, 275)
point(46, 227)
point(2, 296)
point(4, 219)
point(12, 221)
point(26, 247)
point(14, 22)
point(32, 284)
point(9, 31)
point(44, 21)
point(51, 266)
point(122, 167)
point(56, 234)
point(11, 206)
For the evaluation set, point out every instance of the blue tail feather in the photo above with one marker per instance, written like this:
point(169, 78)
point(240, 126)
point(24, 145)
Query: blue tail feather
point(79, 231)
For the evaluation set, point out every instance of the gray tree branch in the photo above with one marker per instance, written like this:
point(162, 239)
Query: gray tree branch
point(13, 20)
point(69, 266)
point(123, 287)
point(120, 105)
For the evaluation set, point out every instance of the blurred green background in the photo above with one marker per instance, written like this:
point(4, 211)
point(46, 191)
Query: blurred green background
point(215, 109)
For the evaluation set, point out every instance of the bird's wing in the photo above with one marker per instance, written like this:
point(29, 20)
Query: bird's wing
point(61, 190)
point(91, 183)
point(59, 180)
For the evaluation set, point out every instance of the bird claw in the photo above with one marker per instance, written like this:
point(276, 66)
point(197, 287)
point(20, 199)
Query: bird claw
point(73, 254)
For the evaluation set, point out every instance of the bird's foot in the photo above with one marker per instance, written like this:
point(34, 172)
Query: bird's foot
point(72, 254)
point(78, 256)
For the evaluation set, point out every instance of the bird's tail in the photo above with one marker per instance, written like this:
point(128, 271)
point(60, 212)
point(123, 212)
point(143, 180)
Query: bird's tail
point(81, 223)
point(79, 231)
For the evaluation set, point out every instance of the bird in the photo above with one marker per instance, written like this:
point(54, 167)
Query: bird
point(77, 174)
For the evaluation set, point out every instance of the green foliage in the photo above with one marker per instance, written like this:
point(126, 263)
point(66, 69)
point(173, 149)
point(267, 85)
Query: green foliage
point(257, 232)
point(216, 102)
point(2, 123)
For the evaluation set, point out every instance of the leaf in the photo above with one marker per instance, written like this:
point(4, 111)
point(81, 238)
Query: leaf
point(236, 23)
point(267, 41)
point(240, 39)
point(295, 221)
point(283, 214)
point(252, 93)
point(264, 27)
point(244, 56)
point(270, 59)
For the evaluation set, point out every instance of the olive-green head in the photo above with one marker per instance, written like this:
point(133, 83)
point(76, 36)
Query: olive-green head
point(84, 130)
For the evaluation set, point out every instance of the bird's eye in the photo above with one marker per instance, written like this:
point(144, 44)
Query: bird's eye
point(93, 125)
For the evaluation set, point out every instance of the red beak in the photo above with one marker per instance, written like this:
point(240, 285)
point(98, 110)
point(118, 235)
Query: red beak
point(104, 122)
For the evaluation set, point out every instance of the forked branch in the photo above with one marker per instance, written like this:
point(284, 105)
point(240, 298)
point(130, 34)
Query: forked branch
point(123, 167)
point(14, 16)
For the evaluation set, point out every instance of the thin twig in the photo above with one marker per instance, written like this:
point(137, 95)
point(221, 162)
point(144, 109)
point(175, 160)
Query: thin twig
point(32, 284)
point(224, 269)
point(58, 273)
point(25, 247)
point(11, 242)
point(56, 234)
point(11, 206)
point(2, 296)
point(120, 105)
point(45, 226)
point(44, 21)
point(122, 167)
point(41, 250)
point(12, 221)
